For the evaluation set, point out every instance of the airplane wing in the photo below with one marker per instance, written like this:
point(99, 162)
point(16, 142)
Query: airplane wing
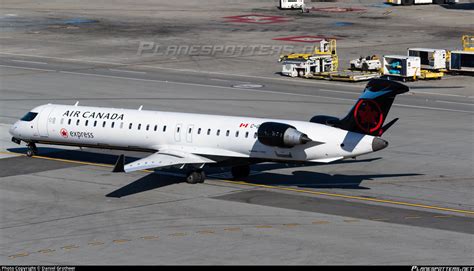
point(162, 158)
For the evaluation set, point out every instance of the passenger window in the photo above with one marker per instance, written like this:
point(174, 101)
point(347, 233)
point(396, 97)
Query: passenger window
point(69, 122)
point(208, 131)
point(130, 126)
point(164, 128)
point(77, 122)
point(177, 129)
point(62, 121)
point(139, 126)
point(87, 122)
point(227, 133)
point(199, 131)
point(113, 124)
point(103, 124)
point(95, 123)
point(255, 135)
point(121, 125)
point(246, 134)
point(218, 132)
point(189, 130)
point(148, 127)
point(156, 127)
point(237, 134)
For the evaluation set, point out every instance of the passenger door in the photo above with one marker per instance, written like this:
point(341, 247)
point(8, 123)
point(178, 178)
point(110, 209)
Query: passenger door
point(43, 121)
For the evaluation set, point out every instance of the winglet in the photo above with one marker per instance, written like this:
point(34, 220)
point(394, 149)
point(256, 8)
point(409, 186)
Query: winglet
point(119, 165)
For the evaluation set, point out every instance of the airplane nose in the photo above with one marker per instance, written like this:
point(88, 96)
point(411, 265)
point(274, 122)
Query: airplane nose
point(379, 144)
point(12, 130)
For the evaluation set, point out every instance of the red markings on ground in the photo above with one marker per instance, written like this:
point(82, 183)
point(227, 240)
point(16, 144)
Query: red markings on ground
point(308, 39)
point(338, 9)
point(256, 19)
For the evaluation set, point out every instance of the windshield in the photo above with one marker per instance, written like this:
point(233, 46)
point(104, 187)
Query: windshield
point(29, 116)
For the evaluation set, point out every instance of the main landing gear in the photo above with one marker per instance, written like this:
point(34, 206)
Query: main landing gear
point(32, 150)
point(196, 176)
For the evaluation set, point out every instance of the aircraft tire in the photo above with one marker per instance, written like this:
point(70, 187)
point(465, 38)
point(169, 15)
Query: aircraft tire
point(195, 177)
point(32, 150)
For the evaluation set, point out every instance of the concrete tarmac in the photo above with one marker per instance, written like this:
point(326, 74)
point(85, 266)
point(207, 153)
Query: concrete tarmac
point(410, 203)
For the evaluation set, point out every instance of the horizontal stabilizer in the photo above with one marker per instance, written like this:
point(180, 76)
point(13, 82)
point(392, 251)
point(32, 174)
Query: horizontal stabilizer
point(388, 125)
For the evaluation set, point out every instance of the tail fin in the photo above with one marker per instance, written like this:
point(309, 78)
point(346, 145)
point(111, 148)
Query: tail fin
point(369, 113)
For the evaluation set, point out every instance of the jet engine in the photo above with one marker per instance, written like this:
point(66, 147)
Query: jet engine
point(280, 135)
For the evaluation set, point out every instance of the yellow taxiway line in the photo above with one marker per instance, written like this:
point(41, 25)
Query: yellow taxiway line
point(334, 195)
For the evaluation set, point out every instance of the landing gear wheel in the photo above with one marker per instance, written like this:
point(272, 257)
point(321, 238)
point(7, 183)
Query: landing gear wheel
point(240, 171)
point(32, 150)
point(300, 73)
point(195, 177)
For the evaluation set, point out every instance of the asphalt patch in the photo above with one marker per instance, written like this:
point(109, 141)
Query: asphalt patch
point(26, 165)
point(354, 210)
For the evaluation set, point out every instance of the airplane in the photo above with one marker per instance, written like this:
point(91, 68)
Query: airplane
point(192, 141)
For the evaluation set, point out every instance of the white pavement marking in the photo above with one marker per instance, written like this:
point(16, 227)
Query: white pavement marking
point(448, 102)
point(232, 81)
point(27, 61)
point(434, 108)
point(26, 68)
point(116, 70)
point(440, 94)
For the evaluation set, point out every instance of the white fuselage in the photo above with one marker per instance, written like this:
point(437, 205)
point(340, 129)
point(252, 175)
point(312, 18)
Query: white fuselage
point(211, 135)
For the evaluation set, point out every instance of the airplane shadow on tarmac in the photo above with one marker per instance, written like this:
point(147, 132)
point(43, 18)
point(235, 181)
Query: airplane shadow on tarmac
point(166, 177)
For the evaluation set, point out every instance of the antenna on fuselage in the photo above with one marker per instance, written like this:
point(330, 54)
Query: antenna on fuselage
point(77, 103)
point(140, 108)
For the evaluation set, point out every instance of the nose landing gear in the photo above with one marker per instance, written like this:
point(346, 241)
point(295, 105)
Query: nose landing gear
point(32, 150)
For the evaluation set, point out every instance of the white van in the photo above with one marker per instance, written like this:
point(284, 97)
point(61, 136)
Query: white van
point(291, 4)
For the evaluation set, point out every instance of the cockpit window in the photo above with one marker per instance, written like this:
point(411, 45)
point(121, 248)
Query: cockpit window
point(29, 116)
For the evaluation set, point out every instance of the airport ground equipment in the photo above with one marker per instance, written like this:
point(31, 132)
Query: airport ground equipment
point(347, 76)
point(291, 4)
point(430, 74)
point(369, 63)
point(468, 43)
point(302, 65)
point(328, 48)
point(322, 59)
point(430, 59)
point(461, 61)
point(322, 63)
point(403, 67)
point(412, 2)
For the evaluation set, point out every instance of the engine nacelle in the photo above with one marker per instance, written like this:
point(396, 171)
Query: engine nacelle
point(326, 120)
point(277, 134)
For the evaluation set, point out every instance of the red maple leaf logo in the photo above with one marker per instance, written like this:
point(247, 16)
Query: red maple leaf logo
point(63, 133)
point(368, 116)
